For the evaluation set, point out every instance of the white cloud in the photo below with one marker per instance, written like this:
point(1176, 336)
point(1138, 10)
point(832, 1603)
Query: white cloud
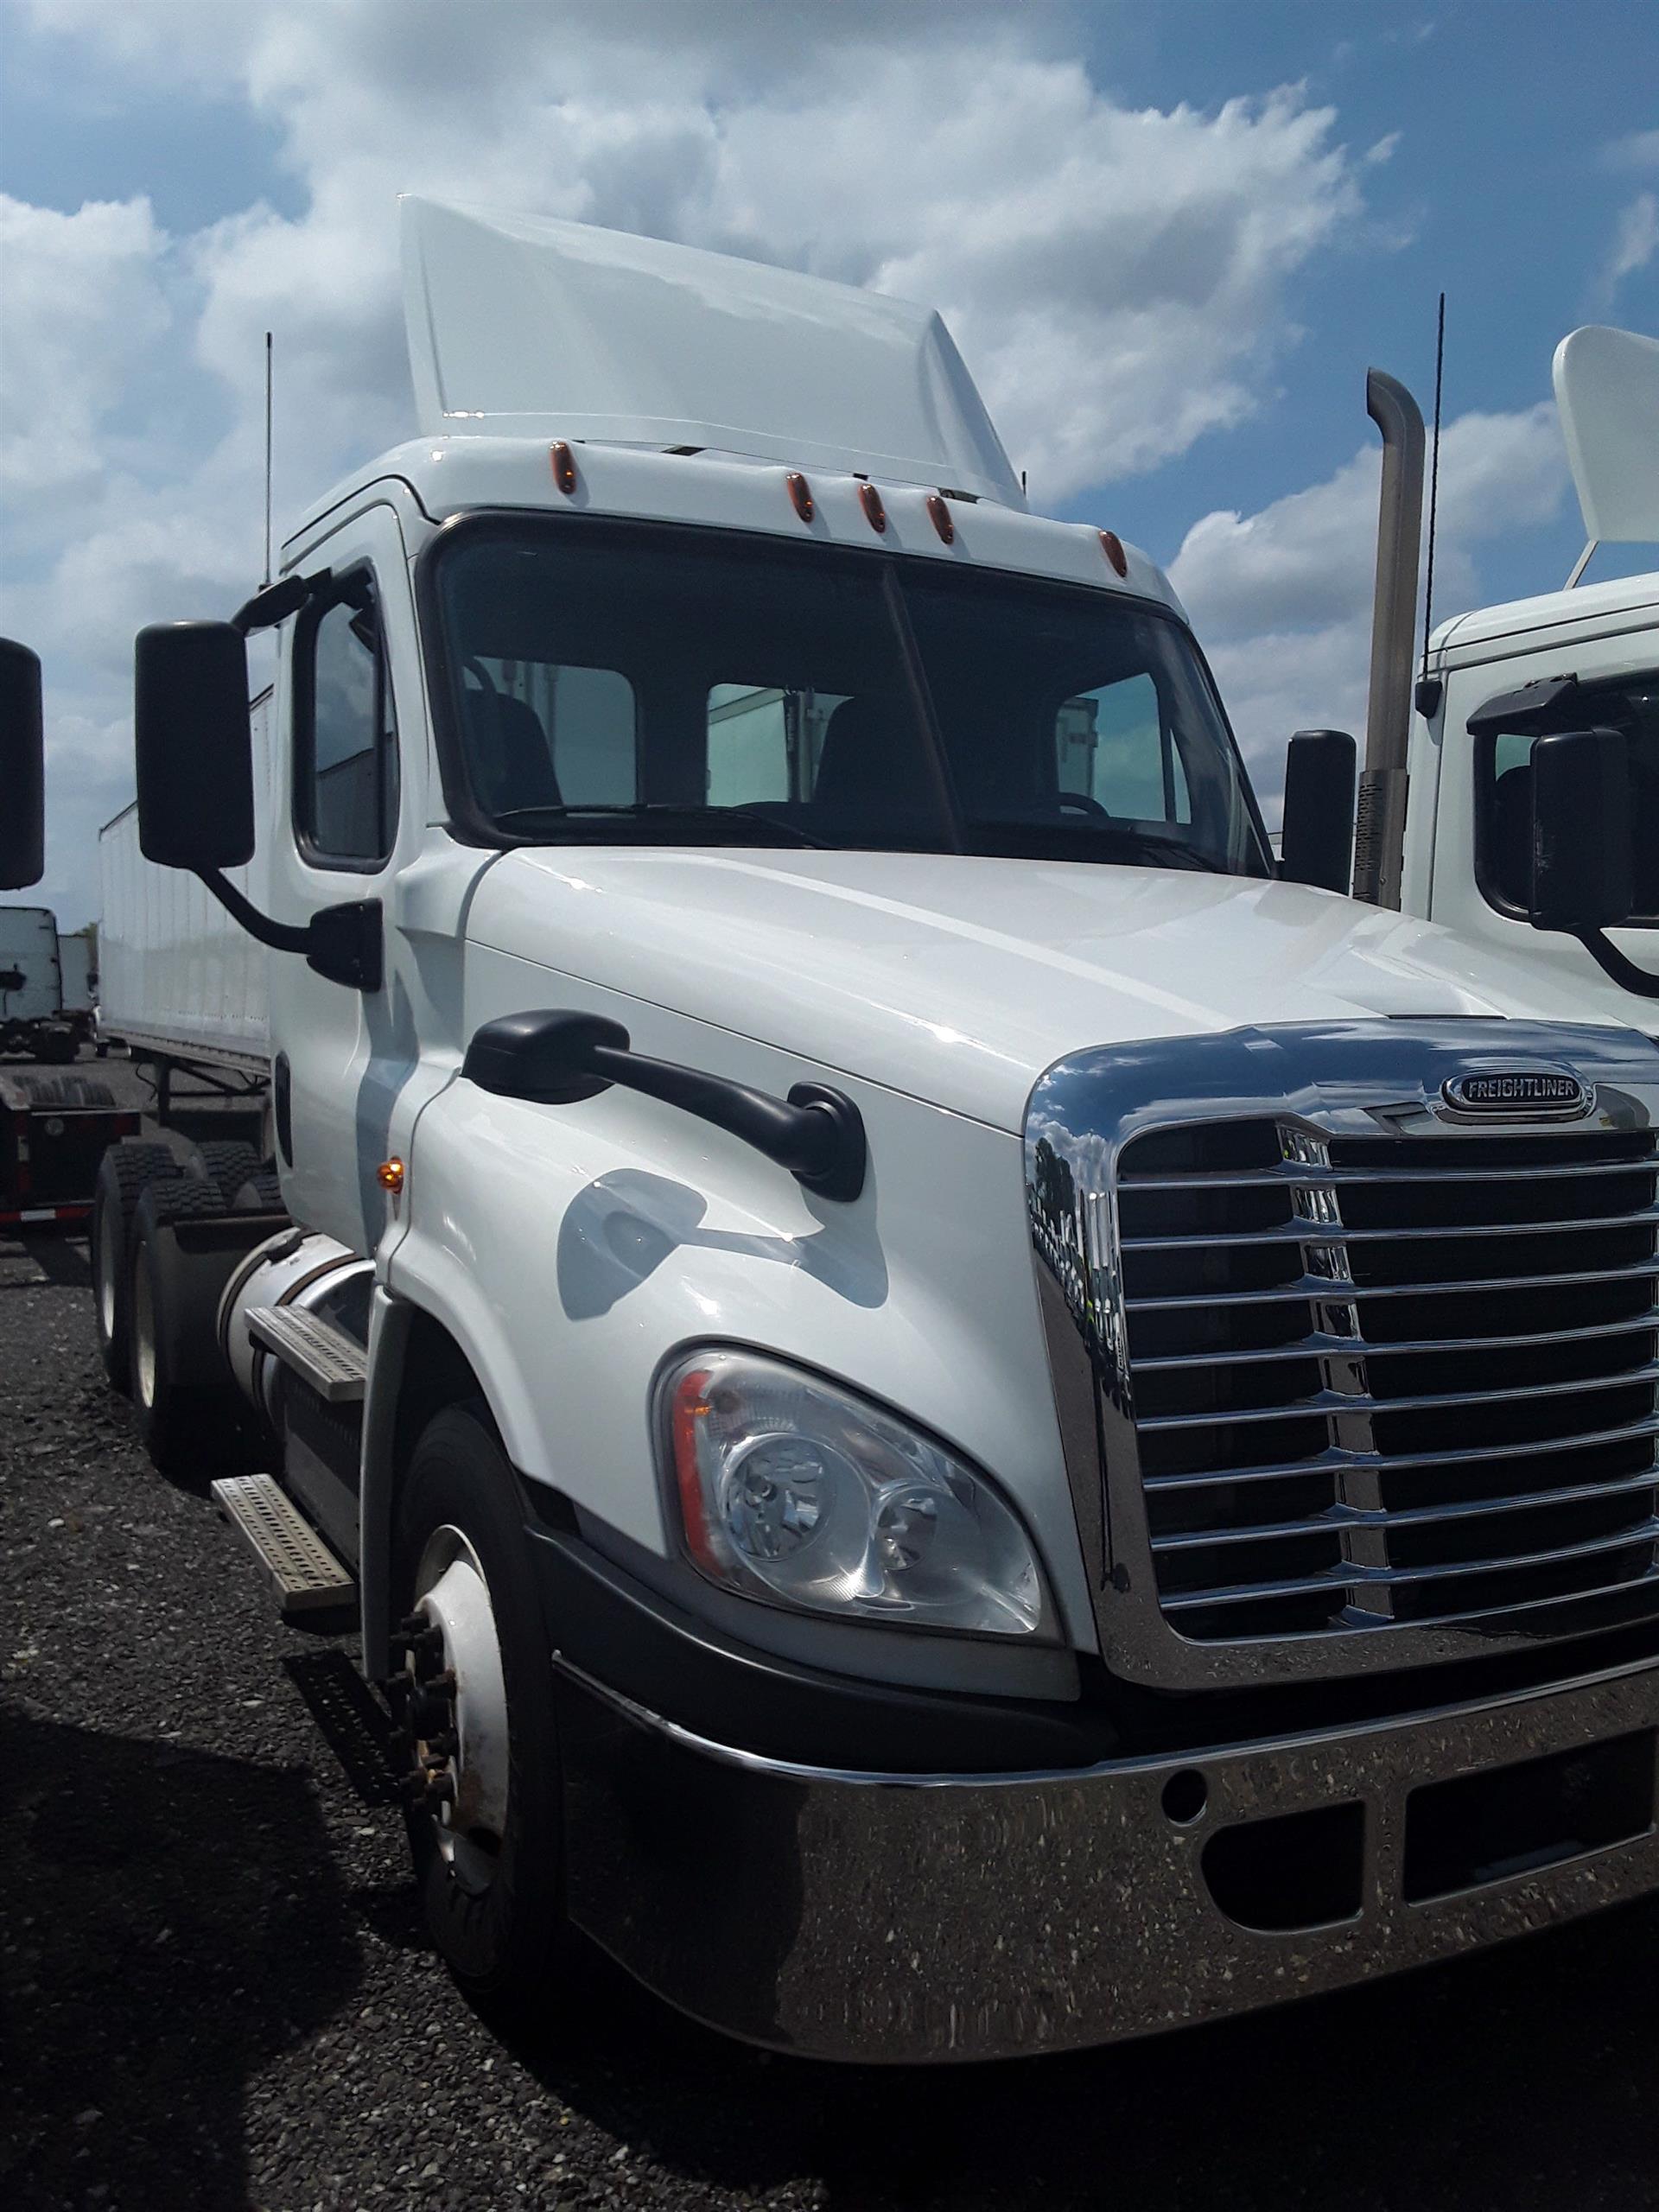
point(1283, 598)
point(1117, 277)
point(1635, 241)
point(81, 290)
point(1640, 150)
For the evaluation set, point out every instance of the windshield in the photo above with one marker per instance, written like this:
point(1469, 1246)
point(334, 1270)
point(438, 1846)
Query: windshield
point(639, 684)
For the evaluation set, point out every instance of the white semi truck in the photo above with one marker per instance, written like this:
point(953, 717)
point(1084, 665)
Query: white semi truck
point(964, 1418)
point(1497, 679)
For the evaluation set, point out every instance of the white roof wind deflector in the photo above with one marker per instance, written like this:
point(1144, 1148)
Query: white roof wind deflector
point(1607, 391)
point(520, 326)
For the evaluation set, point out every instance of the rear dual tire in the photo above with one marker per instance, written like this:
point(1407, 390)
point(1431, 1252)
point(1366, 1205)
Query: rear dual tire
point(123, 1173)
point(188, 1426)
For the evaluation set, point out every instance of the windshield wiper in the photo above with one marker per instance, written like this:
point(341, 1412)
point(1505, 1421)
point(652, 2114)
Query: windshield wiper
point(1166, 852)
point(660, 811)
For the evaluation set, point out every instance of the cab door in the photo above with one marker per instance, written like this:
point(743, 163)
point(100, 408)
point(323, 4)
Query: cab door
point(347, 818)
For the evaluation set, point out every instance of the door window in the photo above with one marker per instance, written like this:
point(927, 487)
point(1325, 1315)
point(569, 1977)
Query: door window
point(1629, 704)
point(346, 734)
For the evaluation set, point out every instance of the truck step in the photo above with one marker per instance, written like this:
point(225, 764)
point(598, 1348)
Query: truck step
point(334, 1366)
point(306, 1576)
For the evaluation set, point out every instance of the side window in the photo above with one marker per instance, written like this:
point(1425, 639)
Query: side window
point(1503, 792)
point(1112, 745)
point(345, 734)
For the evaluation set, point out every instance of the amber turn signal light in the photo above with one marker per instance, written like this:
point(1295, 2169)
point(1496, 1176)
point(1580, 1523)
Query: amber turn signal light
point(391, 1173)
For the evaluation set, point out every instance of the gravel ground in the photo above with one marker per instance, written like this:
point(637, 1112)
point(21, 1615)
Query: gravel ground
point(217, 1993)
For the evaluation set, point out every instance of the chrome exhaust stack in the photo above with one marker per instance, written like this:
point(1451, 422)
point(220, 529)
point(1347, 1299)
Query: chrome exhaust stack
point(1380, 826)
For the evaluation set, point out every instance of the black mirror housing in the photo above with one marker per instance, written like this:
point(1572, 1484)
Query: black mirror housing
point(22, 769)
point(1320, 771)
point(1581, 861)
point(194, 746)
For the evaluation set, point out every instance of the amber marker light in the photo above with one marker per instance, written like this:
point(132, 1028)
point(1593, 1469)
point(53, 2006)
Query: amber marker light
point(391, 1173)
point(564, 467)
point(870, 500)
point(1112, 546)
point(940, 516)
point(800, 493)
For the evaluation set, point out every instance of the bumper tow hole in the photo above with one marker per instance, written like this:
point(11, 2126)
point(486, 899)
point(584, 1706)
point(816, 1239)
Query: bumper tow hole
point(1186, 1796)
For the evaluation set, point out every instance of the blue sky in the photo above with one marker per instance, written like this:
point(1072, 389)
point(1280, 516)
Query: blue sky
point(1170, 239)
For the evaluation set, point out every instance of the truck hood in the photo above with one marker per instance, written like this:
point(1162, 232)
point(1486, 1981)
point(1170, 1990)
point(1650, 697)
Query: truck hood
point(959, 980)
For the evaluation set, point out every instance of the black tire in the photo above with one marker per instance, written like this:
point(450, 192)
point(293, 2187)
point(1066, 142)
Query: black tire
point(226, 1165)
point(506, 1942)
point(262, 1192)
point(188, 1431)
point(122, 1174)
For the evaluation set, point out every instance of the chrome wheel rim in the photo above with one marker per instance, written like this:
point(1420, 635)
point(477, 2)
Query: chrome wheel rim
point(143, 1340)
point(105, 1258)
point(458, 1708)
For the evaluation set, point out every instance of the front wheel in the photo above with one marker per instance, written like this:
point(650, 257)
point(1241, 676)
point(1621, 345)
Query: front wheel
point(474, 1697)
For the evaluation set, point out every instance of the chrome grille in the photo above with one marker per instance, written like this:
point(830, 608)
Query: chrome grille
point(1383, 1380)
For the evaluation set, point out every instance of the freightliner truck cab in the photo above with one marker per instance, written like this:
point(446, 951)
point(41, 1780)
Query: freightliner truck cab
point(964, 1421)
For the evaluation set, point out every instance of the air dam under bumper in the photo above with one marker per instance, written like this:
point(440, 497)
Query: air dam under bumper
point(873, 1917)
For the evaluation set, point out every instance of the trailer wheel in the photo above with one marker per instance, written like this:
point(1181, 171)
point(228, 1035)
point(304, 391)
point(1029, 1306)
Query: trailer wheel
point(226, 1163)
point(184, 1429)
point(473, 1700)
point(122, 1174)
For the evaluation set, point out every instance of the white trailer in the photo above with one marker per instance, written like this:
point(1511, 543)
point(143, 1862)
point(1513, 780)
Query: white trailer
point(78, 966)
point(178, 981)
point(32, 1026)
point(964, 1417)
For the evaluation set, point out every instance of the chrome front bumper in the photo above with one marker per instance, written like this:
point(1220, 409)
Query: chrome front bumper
point(883, 1918)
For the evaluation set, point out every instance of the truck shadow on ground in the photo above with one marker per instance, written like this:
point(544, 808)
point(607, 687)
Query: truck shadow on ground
point(170, 1920)
point(1523, 2077)
point(60, 1259)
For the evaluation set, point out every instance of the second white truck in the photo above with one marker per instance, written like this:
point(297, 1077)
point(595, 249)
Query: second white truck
point(963, 1418)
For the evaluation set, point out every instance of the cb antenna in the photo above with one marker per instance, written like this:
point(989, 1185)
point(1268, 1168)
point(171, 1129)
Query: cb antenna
point(269, 457)
point(1428, 690)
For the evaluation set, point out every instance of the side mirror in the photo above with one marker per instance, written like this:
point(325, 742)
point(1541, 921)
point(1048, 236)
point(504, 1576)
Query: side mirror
point(1320, 769)
point(1581, 864)
point(194, 746)
point(22, 773)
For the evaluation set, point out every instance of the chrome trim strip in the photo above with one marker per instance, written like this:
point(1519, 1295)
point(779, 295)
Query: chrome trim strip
point(1336, 1402)
point(1266, 1176)
point(1295, 1232)
point(1368, 1080)
point(1307, 1287)
point(1465, 1455)
point(1312, 1347)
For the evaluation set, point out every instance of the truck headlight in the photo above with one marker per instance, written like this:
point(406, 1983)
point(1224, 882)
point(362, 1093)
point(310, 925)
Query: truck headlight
point(791, 1490)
